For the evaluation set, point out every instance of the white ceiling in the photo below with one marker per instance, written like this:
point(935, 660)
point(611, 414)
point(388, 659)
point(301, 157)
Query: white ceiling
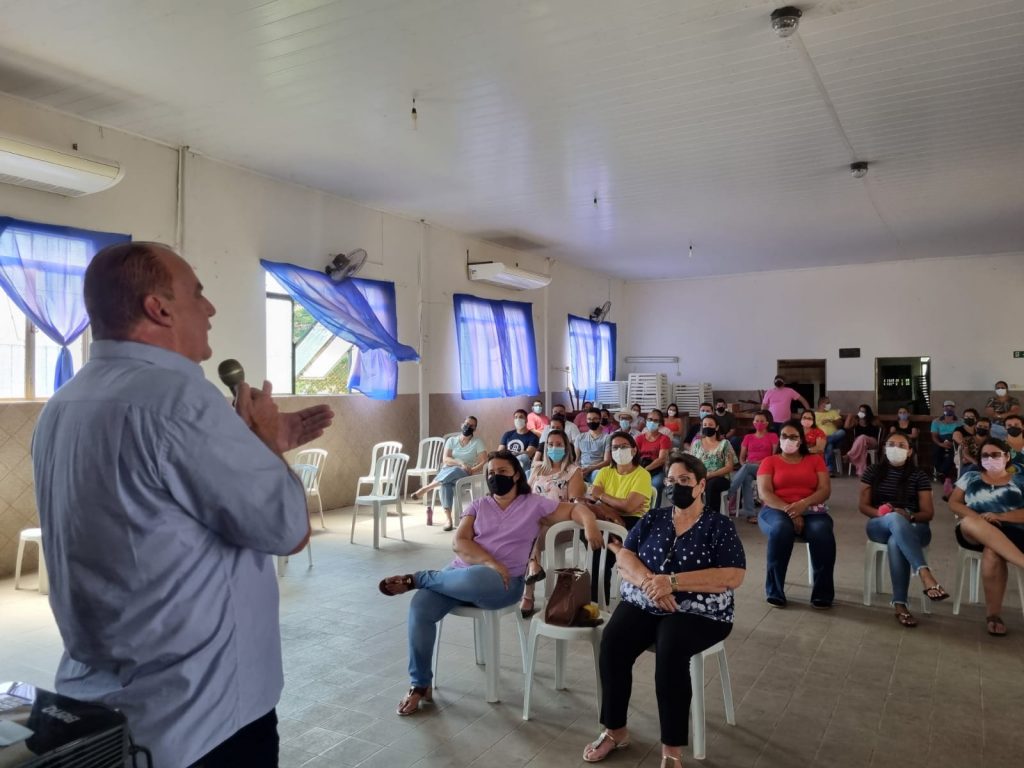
point(689, 120)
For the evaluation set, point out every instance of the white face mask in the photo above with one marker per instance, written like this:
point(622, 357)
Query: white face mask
point(897, 456)
point(861, 415)
point(1001, 392)
point(994, 465)
point(789, 446)
point(520, 423)
point(826, 406)
point(622, 456)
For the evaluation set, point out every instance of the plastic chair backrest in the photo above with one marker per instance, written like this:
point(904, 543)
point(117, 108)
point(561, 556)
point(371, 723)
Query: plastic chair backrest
point(314, 457)
point(383, 449)
point(581, 556)
point(388, 475)
point(308, 474)
point(431, 453)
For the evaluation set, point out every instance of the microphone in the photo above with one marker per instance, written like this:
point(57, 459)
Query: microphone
point(232, 374)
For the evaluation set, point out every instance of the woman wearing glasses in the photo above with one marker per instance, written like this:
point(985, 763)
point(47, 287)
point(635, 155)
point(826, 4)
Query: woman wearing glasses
point(794, 486)
point(896, 496)
point(990, 505)
point(679, 567)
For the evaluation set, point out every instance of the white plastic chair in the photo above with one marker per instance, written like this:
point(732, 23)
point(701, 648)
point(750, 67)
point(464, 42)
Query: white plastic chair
point(312, 457)
point(561, 635)
point(428, 463)
point(474, 486)
point(380, 449)
point(306, 473)
point(697, 713)
point(32, 536)
point(969, 560)
point(486, 641)
point(876, 557)
point(387, 484)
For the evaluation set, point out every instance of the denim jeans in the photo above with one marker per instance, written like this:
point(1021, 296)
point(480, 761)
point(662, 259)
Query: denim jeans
point(447, 477)
point(832, 442)
point(658, 483)
point(781, 535)
point(905, 541)
point(437, 594)
point(743, 483)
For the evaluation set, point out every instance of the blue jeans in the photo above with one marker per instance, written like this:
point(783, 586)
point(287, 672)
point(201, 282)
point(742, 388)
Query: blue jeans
point(905, 540)
point(447, 477)
point(437, 594)
point(831, 443)
point(658, 483)
point(781, 535)
point(743, 482)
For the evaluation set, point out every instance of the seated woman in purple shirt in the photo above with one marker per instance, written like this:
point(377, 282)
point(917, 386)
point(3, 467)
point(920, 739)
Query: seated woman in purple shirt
point(492, 545)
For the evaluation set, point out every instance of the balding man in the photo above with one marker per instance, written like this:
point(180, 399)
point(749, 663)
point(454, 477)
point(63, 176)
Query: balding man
point(160, 508)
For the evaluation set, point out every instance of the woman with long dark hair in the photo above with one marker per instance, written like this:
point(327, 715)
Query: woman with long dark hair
point(896, 497)
point(865, 436)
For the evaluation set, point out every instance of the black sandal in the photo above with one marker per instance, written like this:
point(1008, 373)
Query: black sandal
point(410, 703)
point(936, 593)
point(994, 622)
point(540, 575)
point(906, 618)
point(402, 585)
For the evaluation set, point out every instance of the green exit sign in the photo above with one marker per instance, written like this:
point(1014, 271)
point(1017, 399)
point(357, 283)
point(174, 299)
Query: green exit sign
point(1019, 353)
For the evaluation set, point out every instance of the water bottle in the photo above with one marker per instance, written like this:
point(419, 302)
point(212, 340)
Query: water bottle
point(430, 515)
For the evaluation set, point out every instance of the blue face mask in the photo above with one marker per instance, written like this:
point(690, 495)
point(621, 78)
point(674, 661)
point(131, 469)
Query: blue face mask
point(556, 454)
point(652, 426)
point(625, 424)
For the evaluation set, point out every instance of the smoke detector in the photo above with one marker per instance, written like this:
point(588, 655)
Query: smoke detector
point(859, 170)
point(785, 20)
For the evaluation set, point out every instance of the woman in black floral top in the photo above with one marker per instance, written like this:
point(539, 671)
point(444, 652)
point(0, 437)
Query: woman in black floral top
point(679, 566)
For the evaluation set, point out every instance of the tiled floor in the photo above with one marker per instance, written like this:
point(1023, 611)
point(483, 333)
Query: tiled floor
point(847, 687)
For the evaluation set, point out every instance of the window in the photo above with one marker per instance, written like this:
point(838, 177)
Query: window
point(497, 347)
point(591, 353)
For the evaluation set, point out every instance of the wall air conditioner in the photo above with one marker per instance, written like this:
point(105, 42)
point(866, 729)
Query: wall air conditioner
point(55, 170)
point(496, 273)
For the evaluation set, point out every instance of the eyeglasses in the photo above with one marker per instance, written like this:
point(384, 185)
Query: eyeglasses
point(993, 455)
point(791, 438)
point(895, 445)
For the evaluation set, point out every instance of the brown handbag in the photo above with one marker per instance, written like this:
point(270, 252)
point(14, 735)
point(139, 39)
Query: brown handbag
point(571, 592)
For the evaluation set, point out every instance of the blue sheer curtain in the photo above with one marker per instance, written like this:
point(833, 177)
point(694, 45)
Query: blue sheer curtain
point(42, 269)
point(497, 347)
point(591, 354)
point(343, 309)
point(375, 371)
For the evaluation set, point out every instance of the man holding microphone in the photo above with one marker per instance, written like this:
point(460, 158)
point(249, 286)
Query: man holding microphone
point(160, 508)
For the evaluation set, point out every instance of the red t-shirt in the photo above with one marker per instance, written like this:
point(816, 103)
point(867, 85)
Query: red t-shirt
point(759, 448)
point(793, 482)
point(813, 435)
point(650, 450)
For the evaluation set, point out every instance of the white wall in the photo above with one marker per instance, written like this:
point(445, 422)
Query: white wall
point(730, 331)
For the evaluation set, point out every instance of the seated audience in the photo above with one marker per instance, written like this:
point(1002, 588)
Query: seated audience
point(830, 421)
point(536, 421)
point(865, 437)
point(967, 440)
point(593, 446)
point(464, 455)
point(943, 447)
point(794, 486)
point(674, 424)
point(816, 439)
point(520, 441)
point(896, 496)
point(1015, 439)
point(558, 421)
point(703, 411)
point(679, 569)
point(904, 427)
point(556, 475)
point(492, 547)
point(999, 407)
point(756, 447)
point(717, 456)
point(727, 424)
point(608, 424)
point(570, 428)
point(779, 401)
point(654, 446)
point(638, 417)
point(581, 418)
point(990, 505)
point(625, 419)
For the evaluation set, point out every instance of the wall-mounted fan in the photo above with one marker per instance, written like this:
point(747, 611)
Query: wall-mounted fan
point(345, 265)
point(600, 313)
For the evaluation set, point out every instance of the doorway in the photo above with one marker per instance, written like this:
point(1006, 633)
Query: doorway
point(805, 376)
point(903, 382)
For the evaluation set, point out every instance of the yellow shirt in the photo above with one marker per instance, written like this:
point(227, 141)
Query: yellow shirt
point(824, 420)
point(620, 486)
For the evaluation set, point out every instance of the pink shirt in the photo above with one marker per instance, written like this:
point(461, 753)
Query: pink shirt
point(508, 534)
point(759, 448)
point(779, 400)
point(536, 421)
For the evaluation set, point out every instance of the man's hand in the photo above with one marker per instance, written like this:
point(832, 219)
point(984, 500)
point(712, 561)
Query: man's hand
point(301, 427)
point(258, 410)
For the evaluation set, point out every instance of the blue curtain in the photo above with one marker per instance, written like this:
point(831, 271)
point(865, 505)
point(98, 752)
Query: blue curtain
point(497, 347)
point(343, 309)
point(42, 269)
point(375, 371)
point(591, 354)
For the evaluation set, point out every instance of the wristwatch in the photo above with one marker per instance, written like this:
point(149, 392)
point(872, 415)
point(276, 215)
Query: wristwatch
point(672, 582)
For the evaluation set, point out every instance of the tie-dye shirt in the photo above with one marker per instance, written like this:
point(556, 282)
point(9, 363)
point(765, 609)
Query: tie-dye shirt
point(997, 499)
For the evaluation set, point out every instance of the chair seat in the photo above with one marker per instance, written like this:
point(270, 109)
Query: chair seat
point(31, 534)
point(371, 499)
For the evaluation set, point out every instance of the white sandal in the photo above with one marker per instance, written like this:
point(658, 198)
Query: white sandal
point(596, 745)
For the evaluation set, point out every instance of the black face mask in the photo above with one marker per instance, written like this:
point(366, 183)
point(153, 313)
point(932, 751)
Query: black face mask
point(708, 431)
point(467, 430)
point(499, 485)
point(1014, 431)
point(604, 422)
point(594, 425)
point(970, 422)
point(720, 409)
point(981, 432)
point(779, 382)
point(680, 496)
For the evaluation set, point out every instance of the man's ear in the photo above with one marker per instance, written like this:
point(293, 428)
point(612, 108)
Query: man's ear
point(155, 308)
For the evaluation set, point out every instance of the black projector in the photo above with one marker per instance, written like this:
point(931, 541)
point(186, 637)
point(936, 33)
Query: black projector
point(40, 729)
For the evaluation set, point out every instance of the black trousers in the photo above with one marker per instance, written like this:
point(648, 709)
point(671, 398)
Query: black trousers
point(676, 637)
point(253, 746)
point(628, 521)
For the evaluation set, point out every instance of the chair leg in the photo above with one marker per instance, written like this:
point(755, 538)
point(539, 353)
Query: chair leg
point(352, 536)
point(869, 575)
point(697, 704)
point(723, 672)
point(493, 639)
point(479, 644)
point(282, 564)
point(975, 570)
point(320, 504)
point(531, 658)
point(961, 573)
point(521, 629)
point(376, 510)
point(44, 576)
point(595, 644)
point(401, 522)
point(17, 563)
point(1020, 584)
point(810, 569)
point(309, 551)
point(437, 649)
point(561, 653)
